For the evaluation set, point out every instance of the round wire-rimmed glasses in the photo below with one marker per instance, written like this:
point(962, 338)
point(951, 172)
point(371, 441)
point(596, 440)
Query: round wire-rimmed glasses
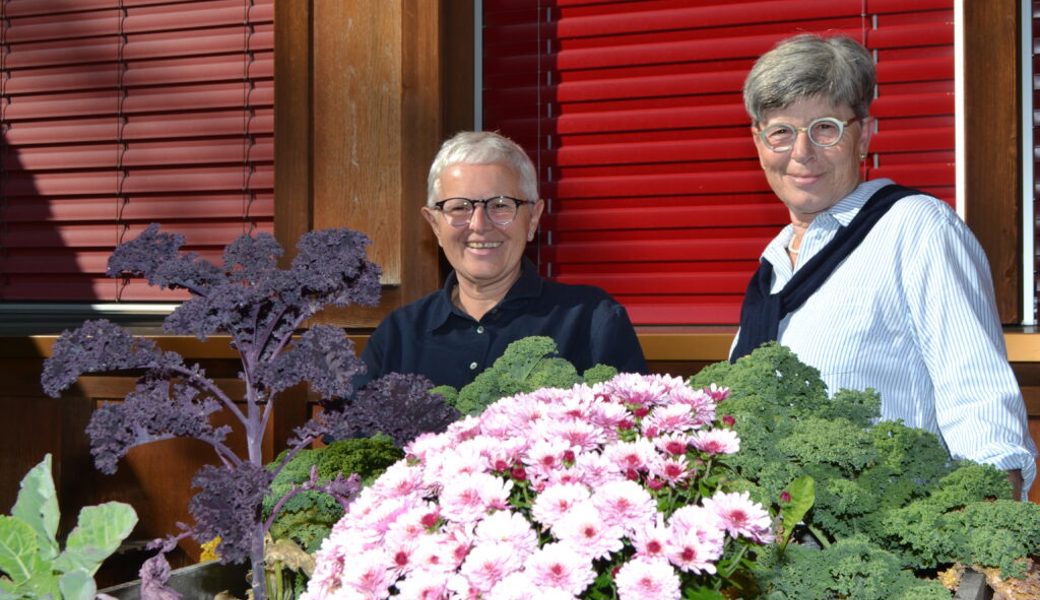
point(500, 210)
point(823, 132)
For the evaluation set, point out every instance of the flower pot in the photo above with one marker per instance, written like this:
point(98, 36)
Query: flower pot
point(200, 581)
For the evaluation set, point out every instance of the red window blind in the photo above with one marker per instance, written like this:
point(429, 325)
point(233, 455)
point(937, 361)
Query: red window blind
point(633, 112)
point(118, 113)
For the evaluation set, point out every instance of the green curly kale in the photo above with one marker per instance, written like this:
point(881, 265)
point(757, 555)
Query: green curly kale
point(526, 365)
point(307, 517)
point(892, 489)
point(850, 568)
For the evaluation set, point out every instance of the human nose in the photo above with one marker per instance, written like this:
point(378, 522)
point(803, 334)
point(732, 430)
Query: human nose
point(802, 150)
point(479, 212)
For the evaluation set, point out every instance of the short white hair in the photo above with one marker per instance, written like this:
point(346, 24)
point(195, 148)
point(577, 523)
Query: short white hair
point(482, 148)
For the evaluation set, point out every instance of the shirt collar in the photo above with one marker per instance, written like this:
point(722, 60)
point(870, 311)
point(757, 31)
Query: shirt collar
point(843, 212)
point(529, 285)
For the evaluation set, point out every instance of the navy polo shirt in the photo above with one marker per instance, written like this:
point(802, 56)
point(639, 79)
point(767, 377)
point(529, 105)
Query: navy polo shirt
point(433, 337)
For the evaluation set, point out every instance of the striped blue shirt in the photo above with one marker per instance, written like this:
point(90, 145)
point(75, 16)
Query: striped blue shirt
point(911, 313)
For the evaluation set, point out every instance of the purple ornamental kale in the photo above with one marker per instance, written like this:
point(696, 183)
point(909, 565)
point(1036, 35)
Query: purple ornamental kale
point(154, 255)
point(155, 410)
point(261, 308)
point(330, 266)
point(401, 406)
point(100, 346)
point(228, 506)
point(249, 259)
point(322, 356)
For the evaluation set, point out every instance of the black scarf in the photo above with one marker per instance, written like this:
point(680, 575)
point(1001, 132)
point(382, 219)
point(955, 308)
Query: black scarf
point(762, 312)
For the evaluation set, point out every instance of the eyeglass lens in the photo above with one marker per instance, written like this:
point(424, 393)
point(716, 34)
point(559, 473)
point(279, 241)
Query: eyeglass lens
point(823, 132)
point(500, 211)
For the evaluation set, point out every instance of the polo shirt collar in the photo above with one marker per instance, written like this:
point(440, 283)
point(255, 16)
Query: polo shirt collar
point(529, 285)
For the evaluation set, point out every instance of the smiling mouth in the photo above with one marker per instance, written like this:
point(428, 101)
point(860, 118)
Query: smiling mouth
point(483, 245)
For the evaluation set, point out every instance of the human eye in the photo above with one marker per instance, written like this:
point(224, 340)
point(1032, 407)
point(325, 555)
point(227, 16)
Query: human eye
point(779, 133)
point(458, 206)
point(826, 127)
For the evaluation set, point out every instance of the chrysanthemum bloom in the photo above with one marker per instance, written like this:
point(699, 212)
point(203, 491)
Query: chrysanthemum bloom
point(650, 541)
point(672, 469)
point(410, 525)
point(673, 443)
point(558, 566)
point(467, 498)
point(669, 418)
point(701, 404)
point(423, 585)
point(717, 441)
point(705, 524)
point(508, 527)
point(625, 504)
point(689, 553)
point(647, 579)
point(595, 470)
point(631, 456)
point(739, 515)
point(585, 529)
point(488, 563)
point(368, 575)
point(555, 500)
point(399, 479)
point(433, 552)
point(515, 586)
point(545, 456)
point(581, 435)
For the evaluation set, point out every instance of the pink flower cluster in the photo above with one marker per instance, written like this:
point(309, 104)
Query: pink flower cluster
point(541, 494)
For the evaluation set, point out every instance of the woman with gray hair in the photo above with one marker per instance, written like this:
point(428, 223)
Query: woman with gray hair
point(483, 206)
point(874, 284)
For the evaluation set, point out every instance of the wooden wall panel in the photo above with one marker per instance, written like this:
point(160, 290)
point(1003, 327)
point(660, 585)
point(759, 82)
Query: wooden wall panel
point(361, 107)
point(993, 185)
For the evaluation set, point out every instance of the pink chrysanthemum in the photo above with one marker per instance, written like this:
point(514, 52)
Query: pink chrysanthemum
point(555, 500)
point(467, 498)
point(511, 528)
point(673, 443)
point(585, 529)
point(423, 585)
point(625, 504)
point(631, 456)
point(545, 456)
point(690, 553)
point(651, 540)
point(668, 419)
point(672, 469)
point(489, 563)
point(740, 516)
point(717, 441)
point(647, 579)
point(558, 566)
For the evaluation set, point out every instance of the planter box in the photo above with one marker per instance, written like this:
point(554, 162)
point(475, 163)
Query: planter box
point(200, 581)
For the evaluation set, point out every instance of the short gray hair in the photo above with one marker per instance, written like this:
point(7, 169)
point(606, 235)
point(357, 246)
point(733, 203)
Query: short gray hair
point(482, 148)
point(837, 68)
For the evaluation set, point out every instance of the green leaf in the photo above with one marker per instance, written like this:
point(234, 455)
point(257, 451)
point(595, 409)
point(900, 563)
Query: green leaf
point(78, 585)
point(803, 496)
point(703, 593)
point(37, 506)
point(98, 533)
point(19, 550)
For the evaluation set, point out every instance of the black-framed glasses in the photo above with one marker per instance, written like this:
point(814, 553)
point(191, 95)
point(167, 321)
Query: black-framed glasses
point(823, 132)
point(500, 210)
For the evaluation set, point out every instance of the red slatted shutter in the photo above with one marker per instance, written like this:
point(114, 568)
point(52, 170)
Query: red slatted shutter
point(633, 112)
point(119, 113)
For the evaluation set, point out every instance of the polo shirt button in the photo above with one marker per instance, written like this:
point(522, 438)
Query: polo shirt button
point(480, 329)
point(472, 366)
